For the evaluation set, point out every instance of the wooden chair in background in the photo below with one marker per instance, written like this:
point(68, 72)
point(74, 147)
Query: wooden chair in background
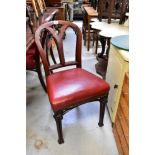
point(40, 9)
point(88, 33)
point(33, 62)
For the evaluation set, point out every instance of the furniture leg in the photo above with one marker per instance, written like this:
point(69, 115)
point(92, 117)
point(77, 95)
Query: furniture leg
point(110, 11)
point(101, 66)
point(108, 47)
point(84, 38)
point(88, 46)
point(58, 119)
point(83, 31)
point(94, 38)
point(103, 43)
point(84, 28)
point(40, 76)
point(96, 42)
point(103, 102)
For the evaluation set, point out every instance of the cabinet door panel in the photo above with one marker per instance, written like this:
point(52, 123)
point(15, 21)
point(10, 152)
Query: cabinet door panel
point(113, 78)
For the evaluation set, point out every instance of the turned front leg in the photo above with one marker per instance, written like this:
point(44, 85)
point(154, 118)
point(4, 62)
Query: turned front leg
point(58, 119)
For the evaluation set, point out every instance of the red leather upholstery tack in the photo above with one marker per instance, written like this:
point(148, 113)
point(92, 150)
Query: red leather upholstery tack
point(70, 87)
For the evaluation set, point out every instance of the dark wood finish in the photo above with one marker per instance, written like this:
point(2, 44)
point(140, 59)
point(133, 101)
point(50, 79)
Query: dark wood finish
point(36, 22)
point(49, 28)
point(33, 23)
point(62, 12)
point(101, 66)
point(85, 27)
point(37, 67)
point(58, 118)
point(103, 102)
point(61, 7)
point(28, 19)
point(97, 39)
point(88, 13)
point(59, 44)
point(94, 3)
point(40, 17)
point(121, 125)
point(53, 3)
point(115, 9)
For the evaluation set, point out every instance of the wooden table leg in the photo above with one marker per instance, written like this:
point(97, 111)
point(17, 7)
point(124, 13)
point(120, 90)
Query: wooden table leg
point(103, 43)
point(101, 66)
point(88, 46)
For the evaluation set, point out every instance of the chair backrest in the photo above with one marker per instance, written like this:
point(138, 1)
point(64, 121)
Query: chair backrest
point(39, 6)
point(55, 30)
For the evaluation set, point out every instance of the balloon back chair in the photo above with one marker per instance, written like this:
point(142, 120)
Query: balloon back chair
point(68, 88)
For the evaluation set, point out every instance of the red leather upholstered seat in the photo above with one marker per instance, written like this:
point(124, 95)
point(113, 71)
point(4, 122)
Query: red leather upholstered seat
point(70, 87)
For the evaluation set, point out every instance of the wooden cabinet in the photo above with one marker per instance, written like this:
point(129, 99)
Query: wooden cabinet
point(62, 12)
point(121, 126)
point(117, 67)
point(61, 9)
point(52, 2)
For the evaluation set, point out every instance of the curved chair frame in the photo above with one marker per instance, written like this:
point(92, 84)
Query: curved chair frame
point(40, 41)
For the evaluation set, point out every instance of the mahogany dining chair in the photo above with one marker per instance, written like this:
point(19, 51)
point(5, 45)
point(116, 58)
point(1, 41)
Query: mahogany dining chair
point(69, 88)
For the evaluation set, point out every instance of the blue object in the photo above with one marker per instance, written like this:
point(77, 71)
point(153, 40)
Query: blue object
point(121, 42)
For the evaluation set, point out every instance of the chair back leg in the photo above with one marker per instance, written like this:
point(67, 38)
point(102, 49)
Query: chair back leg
point(103, 102)
point(40, 76)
